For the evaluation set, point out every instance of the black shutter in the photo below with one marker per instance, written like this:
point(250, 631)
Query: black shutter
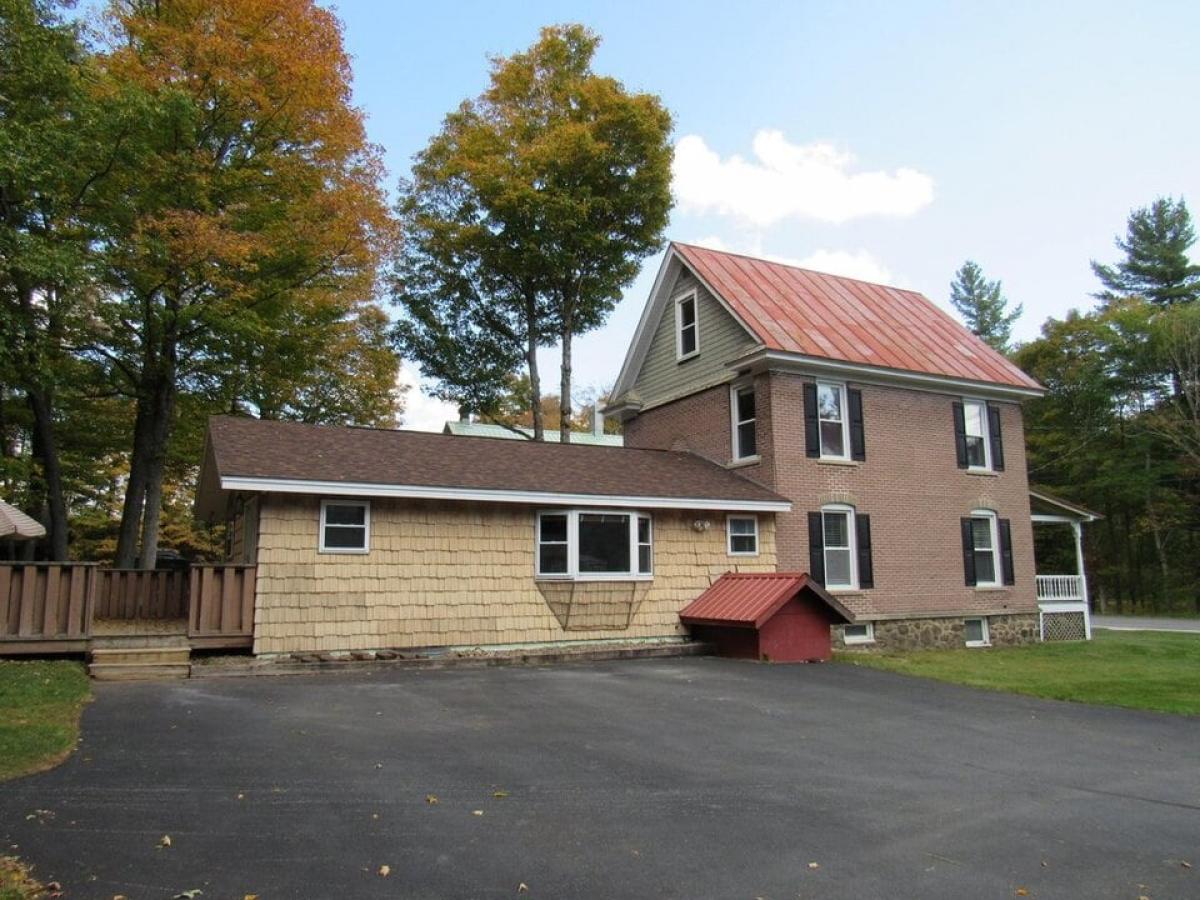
point(866, 571)
point(960, 435)
point(816, 547)
point(1006, 554)
point(968, 542)
point(994, 434)
point(858, 442)
point(812, 434)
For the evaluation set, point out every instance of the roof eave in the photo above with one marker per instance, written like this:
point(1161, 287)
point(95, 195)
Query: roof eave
point(493, 495)
point(779, 359)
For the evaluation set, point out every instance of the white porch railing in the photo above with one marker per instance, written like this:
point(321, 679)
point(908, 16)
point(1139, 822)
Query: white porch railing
point(1060, 588)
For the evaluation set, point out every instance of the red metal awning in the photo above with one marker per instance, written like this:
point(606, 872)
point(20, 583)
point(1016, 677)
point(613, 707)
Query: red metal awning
point(749, 599)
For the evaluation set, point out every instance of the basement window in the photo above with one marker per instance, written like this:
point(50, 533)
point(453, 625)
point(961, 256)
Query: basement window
point(976, 632)
point(863, 633)
point(594, 545)
point(345, 526)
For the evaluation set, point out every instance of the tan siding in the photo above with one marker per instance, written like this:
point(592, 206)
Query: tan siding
point(461, 574)
point(662, 377)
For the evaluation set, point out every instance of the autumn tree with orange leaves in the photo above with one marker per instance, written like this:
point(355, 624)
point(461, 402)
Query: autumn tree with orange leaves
point(244, 242)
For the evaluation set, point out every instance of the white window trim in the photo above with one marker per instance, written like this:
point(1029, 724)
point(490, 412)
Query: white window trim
point(734, 444)
point(729, 535)
point(987, 637)
point(845, 423)
point(359, 551)
point(573, 573)
point(852, 540)
point(680, 356)
point(994, 525)
point(868, 638)
point(985, 419)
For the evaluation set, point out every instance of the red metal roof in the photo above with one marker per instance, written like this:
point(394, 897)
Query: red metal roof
point(749, 599)
point(796, 310)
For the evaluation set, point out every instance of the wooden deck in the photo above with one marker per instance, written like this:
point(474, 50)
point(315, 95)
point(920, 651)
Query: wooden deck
point(60, 607)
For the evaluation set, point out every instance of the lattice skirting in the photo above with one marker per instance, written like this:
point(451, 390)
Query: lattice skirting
point(1063, 626)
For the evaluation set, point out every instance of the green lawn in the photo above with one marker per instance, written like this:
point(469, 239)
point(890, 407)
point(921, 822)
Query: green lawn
point(1141, 670)
point(16, 882)
point(40, 703)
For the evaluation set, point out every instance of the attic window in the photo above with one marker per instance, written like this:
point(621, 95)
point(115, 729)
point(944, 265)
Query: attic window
point(687, 327)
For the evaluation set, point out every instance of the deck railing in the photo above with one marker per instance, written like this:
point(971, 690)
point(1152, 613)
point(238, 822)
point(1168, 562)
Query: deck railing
point(1060, 588)
point(46, 607)
point(142, 594)
point(222, 606)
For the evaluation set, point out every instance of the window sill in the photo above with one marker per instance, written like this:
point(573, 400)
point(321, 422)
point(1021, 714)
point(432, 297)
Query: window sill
point(744, 461)
point(977, 645)
point(844, 591)
point(857, 643)
point(986, 473)
point(834, 461)
point(742, 555)
point(325, 552)
point(588, 579)
point(687, 356)
point(993, 588)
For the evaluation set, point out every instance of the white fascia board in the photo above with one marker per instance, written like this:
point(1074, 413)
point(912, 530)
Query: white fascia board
point(942, 384)
point(425, 492)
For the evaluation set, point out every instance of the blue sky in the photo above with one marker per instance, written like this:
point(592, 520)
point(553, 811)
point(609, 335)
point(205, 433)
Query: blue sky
point(882, 140)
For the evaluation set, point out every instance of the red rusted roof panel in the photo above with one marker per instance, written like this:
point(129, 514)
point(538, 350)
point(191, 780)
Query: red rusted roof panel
point(748, 600)
point(796, 310)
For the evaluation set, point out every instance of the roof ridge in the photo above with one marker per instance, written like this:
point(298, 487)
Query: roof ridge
point(786, 265)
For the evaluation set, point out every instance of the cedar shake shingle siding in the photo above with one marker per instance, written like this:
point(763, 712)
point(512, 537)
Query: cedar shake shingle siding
point(449, 573)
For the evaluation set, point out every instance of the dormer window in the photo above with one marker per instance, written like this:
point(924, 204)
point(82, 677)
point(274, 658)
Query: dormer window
point(687, 327)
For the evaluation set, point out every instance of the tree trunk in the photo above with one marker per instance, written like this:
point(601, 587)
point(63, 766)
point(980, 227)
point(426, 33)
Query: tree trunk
point(164, 409)
point(535, 378)
point(135, 492)
point(46, 450)
point(564, 389)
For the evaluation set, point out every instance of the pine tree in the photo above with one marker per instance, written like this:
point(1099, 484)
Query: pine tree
point(1156, 264)
point(983, 306)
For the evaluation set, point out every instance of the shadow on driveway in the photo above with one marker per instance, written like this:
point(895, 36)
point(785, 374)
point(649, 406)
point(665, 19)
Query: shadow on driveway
point(687, 778)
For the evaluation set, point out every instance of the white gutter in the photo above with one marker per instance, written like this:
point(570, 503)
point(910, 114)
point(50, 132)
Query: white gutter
point(425, 492)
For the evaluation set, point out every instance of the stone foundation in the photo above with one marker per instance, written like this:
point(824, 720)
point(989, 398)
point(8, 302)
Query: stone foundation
point(943, 633)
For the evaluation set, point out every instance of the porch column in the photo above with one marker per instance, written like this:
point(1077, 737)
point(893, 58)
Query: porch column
point(1077, 528)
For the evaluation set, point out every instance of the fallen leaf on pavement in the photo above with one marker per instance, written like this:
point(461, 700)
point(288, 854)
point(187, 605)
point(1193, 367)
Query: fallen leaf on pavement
point(164, 841)
point(477, 812)
point(188, 895)
point(522, 888)
point(385, 871)
point(1022, 892)
point(431, 799)
point(499, 795)
point(814, 865)
point(1185, 863)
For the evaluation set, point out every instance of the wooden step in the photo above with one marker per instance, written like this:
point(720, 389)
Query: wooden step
point(142, 655)
point(134, 641)
point(137, 671)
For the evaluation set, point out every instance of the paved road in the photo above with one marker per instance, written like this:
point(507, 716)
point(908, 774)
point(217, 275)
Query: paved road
point(688, 778)
point(1145, 623)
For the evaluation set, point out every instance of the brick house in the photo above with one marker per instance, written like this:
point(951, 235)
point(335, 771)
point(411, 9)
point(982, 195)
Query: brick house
point(801, 451)
point(895, 433)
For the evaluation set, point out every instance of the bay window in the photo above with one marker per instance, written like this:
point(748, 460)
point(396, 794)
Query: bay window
point(594, 545)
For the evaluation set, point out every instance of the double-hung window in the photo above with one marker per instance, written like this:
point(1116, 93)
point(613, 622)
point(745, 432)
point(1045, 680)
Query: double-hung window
point(345, 526)
point(831, 417)
point(984, 547)
point(742, 532)
point(975, 421)
point(593, 544)
point(837, 524)
point(741, 403)
point(687, 327)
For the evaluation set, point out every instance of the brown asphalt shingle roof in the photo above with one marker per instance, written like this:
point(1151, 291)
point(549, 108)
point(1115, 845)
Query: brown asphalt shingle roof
point(290, 450)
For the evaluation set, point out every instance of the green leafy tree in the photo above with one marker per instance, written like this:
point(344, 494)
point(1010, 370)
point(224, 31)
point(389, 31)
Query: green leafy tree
point(255, 195)
point(1156, 264)
point(526, 216)
point(983, 306)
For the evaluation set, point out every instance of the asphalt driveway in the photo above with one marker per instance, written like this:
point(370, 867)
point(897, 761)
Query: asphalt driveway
point(687, 778)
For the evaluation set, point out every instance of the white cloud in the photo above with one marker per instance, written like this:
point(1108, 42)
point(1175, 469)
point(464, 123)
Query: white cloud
point(787, 180)
point(850, 263)
point(422, 412)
